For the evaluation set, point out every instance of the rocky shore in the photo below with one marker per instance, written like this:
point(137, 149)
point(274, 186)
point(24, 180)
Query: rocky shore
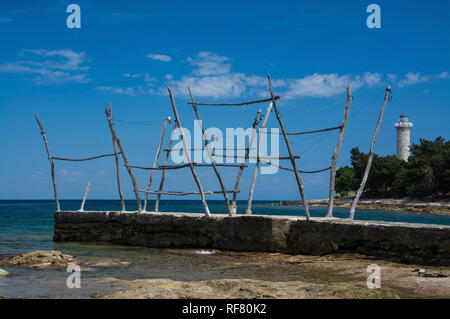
point(413, 205)
point(224, 274)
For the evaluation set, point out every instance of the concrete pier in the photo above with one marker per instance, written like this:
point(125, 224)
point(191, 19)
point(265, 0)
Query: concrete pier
point(403, 242)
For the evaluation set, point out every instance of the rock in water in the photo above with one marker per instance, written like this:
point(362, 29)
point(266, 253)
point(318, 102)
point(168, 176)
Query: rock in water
point(40, 259)
point(3, 273)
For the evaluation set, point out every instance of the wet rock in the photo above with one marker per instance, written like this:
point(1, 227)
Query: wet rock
point(435, 274)
point(96, 295)
point(40, 259)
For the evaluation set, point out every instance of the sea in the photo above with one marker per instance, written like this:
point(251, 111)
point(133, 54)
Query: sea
point(27, 225)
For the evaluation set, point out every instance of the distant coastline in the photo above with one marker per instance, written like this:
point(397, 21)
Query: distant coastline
point(440, 207)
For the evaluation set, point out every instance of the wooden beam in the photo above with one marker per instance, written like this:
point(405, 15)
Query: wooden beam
point(216, 171)
point(164, 173)
point(83, 159)
point(125, 160)
point(241, 168)
point(182, 193)
point(167, 121)
point(369, 162)
point(164, 167)
point(116, 156)
point(248, 211)
point(52, 165)
point(308, 132)
point(300, 171)
point(288, 145)
point(84, 197)
point(236, 104)
point(188, 157)
point(255, 157)
point(336, 152)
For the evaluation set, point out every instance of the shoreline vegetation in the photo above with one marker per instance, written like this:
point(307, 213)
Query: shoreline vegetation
point(432, 206)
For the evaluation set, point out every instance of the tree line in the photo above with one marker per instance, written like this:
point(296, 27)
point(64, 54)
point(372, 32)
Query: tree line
point(425, 174)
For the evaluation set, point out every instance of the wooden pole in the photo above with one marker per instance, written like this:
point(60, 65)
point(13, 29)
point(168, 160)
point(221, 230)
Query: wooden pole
point(125, 160)
point(336, 152)
point(167, 121)
point(248, 211)
point(288, 145)
point(164, 173)
point(369, 162)
point(52, 165)
point(188, 157)
point(84, 197)
point(116, 155)
point(208, 149)
point(241, 168)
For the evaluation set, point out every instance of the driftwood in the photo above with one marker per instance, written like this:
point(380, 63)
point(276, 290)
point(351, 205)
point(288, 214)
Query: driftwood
point(167, 121)
point(82, 159)
point(164, 167)
point(288, 145)
point(369, 162)
point(219, 178)
point(248, 211)
point(52, 165)
point(163, 176)
point(182, 193)
point(84, 197)
point(255, 157)
point(188, 157)
point(300, 171)
point(241, 168)
point(125, 160)
point(237, 104)
point(116, 156)
point(336, 152)
point(203, 149)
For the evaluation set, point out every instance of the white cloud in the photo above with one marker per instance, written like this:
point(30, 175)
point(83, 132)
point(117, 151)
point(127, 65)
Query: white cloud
point(66, 173)
point(122, 91)
point(326, 85)
point(208, 63)
point(212, 77)
point(415, 78)
point(102, 173)
point(412, 78)
point(159, 57)
point(145, 76)
point(63, 66)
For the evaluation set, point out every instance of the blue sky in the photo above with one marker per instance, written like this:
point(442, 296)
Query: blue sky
point(128, 52)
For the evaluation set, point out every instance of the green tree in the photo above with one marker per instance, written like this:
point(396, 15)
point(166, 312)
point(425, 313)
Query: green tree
point(427, 172)
point(345, 180)
point(429, 168)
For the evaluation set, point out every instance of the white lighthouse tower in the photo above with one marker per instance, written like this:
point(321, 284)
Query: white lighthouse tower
point(403, 127)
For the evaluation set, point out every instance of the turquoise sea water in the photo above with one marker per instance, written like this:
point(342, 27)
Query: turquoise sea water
point(28, 225)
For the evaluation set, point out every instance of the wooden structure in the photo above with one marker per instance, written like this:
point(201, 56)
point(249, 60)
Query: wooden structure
point(258, 129)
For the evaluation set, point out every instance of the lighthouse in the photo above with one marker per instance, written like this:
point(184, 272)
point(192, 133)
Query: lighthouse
point(403, 127)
